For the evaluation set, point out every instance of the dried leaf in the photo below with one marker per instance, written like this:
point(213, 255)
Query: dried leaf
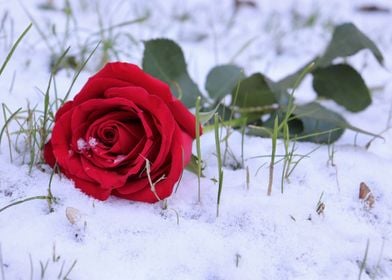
point(320, 208)
point(370, 8)
point(366, 195)
point(73, 215)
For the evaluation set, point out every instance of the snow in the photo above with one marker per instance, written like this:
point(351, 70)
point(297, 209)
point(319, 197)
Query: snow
point(82, 144)
point(119, 158)
point(255, 236)
point(92, 142)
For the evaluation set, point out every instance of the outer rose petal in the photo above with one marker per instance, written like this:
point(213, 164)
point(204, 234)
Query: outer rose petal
point(48, 154)
point(133, 75)
point(183, 117)
point(96, 87)
point(186, 148)
point(91, 188)
point(63, 109)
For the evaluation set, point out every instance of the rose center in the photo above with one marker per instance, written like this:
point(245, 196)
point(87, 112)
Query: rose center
point(109, 134)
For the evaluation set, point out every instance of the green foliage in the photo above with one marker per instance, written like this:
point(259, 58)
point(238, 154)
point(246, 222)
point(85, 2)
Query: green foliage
point(317, 124)
point(347, 40)
point(164, 59)
point(193, 166)
point(254, 91)
point(205, 117)
point(14, 48)
point(344, 85)
point(257, 96)
point(310, 122)
point(221, 80)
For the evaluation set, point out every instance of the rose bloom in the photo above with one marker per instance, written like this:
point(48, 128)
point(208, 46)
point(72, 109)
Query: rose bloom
point(124, 134)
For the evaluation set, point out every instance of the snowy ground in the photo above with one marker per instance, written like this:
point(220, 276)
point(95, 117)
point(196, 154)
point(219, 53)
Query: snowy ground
point(255, 236)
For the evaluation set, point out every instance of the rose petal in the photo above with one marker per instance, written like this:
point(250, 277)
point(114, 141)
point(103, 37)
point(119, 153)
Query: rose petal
point(91, 188)
point(48, 154)
point(141, 191)
point(105, 178)
point(159, 114)
point(63, 109)
point(95, 88)
point(85, 114)
point(135, 76)
point(183, 117)
point(67, 159)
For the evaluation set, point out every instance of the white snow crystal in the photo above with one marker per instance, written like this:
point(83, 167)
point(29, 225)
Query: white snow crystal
point(82, 145)
point(92, 142)
point(119, 158)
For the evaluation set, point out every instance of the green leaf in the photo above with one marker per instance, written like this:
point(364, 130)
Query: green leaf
point(280, 91)
point(192, 166)
point(221, 80)
point(311, 122)
point(253, 92)
point(290, 81)
point(347, 40)
point(344, 85)
point(321, 125)
point(205, 117)
point(164, 59)
point(233, 123)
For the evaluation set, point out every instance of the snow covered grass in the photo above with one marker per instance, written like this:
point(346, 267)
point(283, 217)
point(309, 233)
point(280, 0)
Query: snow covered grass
point(315, 227)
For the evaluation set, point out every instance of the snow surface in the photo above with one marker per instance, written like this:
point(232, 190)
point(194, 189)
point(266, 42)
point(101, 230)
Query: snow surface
point(255, 236)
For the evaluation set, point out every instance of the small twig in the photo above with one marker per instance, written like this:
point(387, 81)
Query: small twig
point(147, 168)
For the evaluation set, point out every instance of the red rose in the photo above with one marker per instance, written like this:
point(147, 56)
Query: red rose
point(123, 134)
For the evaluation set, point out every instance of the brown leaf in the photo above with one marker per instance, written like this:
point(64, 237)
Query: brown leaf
point(366, 195)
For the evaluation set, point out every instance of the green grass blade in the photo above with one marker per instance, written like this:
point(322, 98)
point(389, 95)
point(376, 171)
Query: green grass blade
point(7, 121)
point(219, 157)
point(78, 72)
point(7, 59)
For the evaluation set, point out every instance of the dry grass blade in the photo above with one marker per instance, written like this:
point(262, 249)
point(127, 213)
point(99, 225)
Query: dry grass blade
point(320, 207)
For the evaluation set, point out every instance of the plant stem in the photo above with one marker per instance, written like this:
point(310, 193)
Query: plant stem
point(24, 200)
point(272, 162)
point(219, 157)
point(198, 147)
